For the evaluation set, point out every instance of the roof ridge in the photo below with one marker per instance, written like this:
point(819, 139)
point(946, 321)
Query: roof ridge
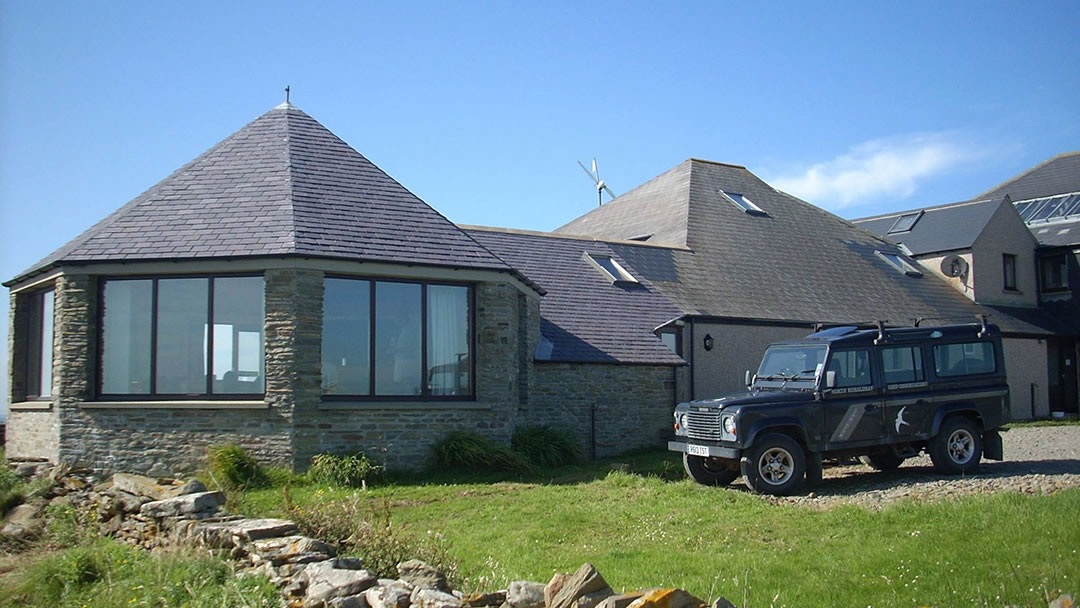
point(1028, 172)
point(569, 237)
point(290, 183)
point(941, 207)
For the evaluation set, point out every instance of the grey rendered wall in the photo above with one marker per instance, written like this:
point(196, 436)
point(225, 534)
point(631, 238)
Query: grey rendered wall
point(737, 348)
point(1026, 366)
point(631, 404)
point(964, 284)
point(1005, 233)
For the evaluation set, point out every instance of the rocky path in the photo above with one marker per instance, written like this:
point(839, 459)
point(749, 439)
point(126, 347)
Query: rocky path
point(1038, 460)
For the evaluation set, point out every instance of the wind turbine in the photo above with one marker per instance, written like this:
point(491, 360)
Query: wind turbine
point(601, 187)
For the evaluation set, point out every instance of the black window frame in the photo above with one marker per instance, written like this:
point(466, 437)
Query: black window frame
point(1008, 270)
point(425, 390)
point(869, 366)
point(35, 343)
point(1062, 260)
point(918, 370)
point(209, 395)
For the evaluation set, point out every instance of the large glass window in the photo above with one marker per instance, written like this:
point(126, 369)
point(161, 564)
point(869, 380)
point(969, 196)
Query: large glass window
point(964, 359)
point(396, 339)
point(1055, 273)
point(40, 348)
point(156, 337)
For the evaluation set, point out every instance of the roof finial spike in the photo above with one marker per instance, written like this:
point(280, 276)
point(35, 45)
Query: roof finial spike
point(286, 93)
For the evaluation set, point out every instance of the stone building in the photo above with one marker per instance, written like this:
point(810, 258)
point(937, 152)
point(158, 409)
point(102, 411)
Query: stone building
point(281, 292)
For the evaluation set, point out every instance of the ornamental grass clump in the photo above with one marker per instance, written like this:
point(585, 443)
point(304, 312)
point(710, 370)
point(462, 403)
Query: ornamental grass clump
point(472, 452)
point(232, 467)
point(354, 470)
point(545, 446)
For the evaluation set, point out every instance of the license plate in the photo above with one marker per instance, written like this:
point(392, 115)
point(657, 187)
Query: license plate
point(697, 450)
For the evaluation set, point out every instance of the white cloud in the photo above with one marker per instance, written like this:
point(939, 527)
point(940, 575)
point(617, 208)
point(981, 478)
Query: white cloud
point(889, 168)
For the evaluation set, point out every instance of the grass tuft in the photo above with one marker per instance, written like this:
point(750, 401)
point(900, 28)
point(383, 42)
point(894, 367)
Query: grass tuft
point(468, 451)
point(347, 470)
point(234, 468)
point(545, 446)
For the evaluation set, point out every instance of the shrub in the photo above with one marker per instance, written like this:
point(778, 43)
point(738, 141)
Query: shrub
point(545, 446)
point(365, 528)
point(12, 489)
point(234, 468)
point(66, 527)
point(348, 470)
point(466, 451)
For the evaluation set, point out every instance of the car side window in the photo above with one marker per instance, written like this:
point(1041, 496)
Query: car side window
point(965, 359)
point(852, 368)
point(902, 364)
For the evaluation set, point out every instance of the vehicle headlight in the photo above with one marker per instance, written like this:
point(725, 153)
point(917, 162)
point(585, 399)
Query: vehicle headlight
point(680, 423)
point(729, 425)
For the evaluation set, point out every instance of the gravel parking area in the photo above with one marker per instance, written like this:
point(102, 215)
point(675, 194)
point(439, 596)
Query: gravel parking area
point(1038, 460)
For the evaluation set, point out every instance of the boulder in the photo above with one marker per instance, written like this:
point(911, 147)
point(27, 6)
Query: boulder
point(592, 600)
point(290, 550)
point(193, 486)
point(352, 601)
point(667, 598)
point(554, 586)
point(1063, 601)
point(393, 595)
point(495, 598)
point(22, 522)
point(524, 594)
point(432, 598)
point(127, 502)
point(620, 601)
point(586, 581)
point(190, 504)
point(325, 582)
point(722, 602)
point(422, 576)
point(139, 485)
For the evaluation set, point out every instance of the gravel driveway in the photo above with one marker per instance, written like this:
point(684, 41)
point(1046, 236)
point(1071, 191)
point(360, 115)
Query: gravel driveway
point(1038, 460)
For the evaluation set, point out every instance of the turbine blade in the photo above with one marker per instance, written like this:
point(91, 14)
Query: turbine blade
point(594, 168)
point(591, 176)
point(610, 193)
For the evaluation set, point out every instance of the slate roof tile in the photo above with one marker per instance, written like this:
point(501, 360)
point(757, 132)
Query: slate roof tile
point(281, 185)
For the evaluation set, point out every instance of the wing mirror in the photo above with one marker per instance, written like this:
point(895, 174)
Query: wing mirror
point(830, 379)
point(748, 379)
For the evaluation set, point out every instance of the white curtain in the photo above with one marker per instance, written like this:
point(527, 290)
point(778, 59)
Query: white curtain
point(448, 358)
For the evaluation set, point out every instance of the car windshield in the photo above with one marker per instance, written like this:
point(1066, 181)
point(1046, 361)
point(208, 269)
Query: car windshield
point(800, 364)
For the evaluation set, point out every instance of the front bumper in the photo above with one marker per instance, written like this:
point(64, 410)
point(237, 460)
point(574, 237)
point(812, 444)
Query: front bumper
point(703, 449)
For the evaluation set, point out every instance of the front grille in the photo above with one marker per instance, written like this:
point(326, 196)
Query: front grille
point(703, 425)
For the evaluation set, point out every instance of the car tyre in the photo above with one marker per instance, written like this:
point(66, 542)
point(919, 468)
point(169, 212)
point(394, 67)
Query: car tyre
point(710, 471)
point(776, 464)
point(957, 448)
point(882, 461)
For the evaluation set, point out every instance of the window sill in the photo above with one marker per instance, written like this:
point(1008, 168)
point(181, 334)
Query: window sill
point(176, 405)
point(404, 405)
point(30, 406)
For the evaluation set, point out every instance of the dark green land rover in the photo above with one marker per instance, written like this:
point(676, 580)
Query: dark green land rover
point(882, 395)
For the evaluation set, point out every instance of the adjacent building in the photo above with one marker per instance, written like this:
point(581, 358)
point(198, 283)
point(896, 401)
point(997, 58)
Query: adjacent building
point(1014, 249)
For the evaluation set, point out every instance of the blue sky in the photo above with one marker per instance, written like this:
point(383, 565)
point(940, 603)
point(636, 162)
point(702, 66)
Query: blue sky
point(483, 109)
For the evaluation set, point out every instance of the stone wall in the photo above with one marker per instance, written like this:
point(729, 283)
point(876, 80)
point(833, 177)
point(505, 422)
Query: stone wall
point(163, 438)
point(632, 404)
point(31, 434)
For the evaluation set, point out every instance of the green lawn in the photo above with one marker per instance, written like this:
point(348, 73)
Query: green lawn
point(648, 527)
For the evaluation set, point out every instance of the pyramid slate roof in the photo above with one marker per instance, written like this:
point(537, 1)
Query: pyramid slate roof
point(583, 316)
point(281, 185)
point(792, 262)
point(941, 228)
point(1058, 175)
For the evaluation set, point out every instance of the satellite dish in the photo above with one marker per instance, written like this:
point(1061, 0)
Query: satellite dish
point(954, 266)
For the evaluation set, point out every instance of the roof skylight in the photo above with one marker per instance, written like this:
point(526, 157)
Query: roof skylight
point(899, 263)
point(1050, 208)
point(905, 222)
point(743, 203)
point(610, 268)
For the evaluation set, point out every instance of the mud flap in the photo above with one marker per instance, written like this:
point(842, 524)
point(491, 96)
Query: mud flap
point(992, 447)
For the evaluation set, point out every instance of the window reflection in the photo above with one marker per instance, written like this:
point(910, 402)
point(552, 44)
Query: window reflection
point(448, 340)
point(346, 339)
point(181, 336)
point(397, 338)
point(126, 327)
point(238, 335)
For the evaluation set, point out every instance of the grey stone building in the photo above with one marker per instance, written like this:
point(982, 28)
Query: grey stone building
point(281, 292)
